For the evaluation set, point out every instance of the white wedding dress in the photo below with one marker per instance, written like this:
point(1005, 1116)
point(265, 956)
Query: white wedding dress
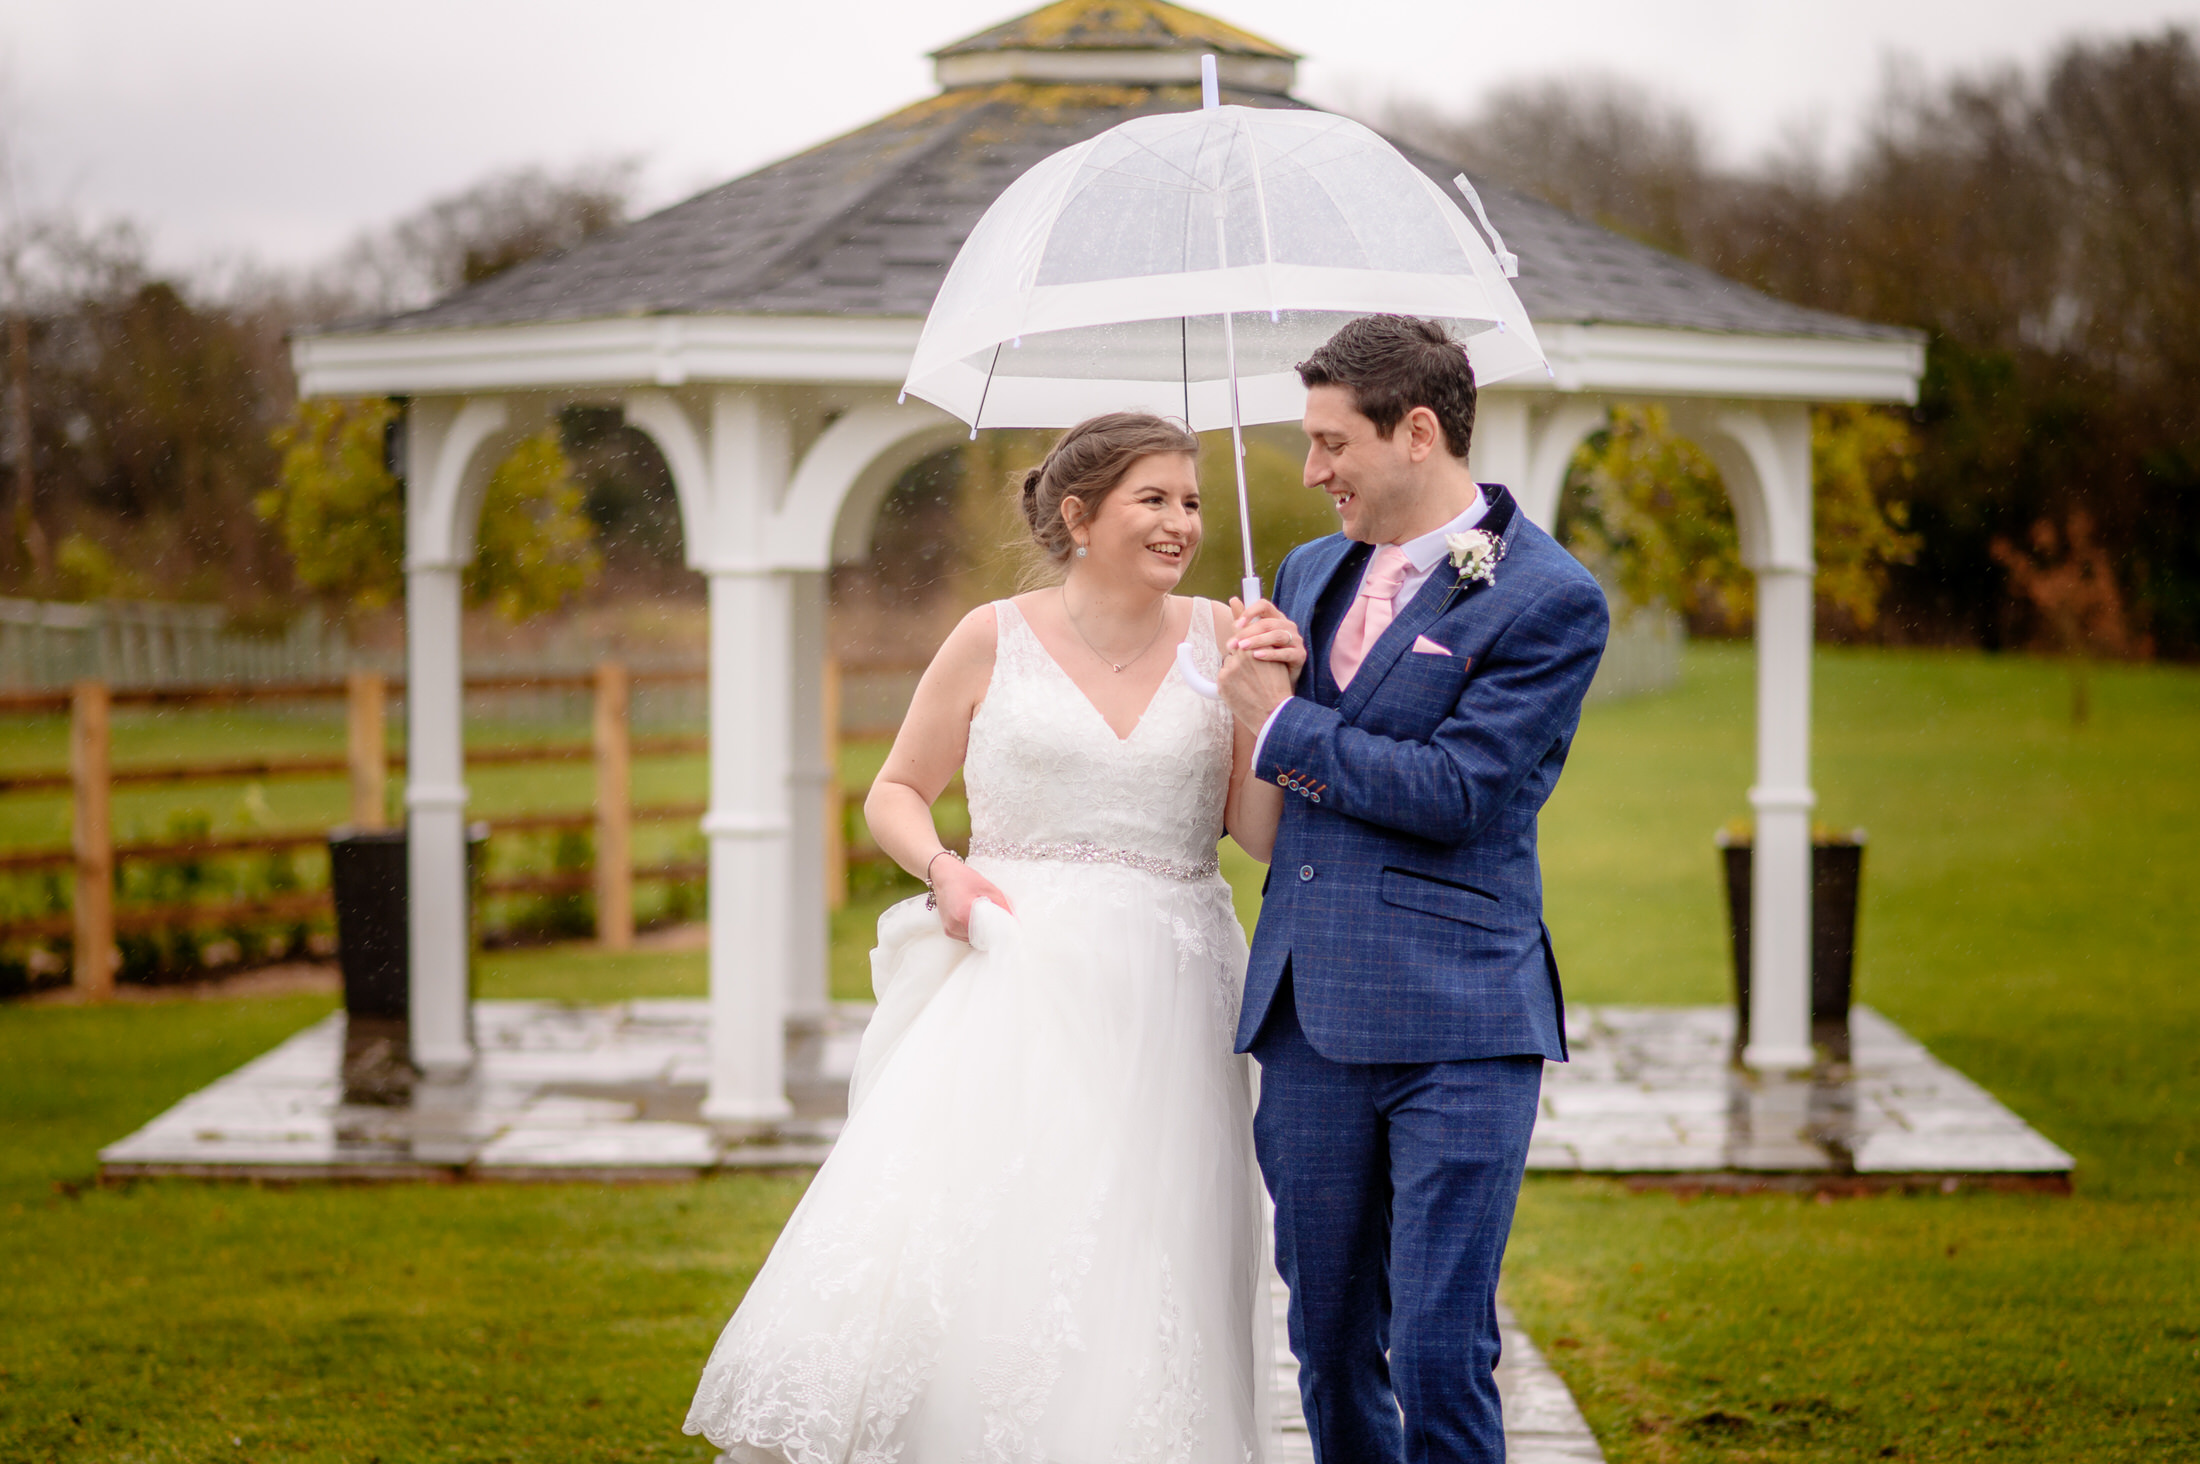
point(1039, 1238)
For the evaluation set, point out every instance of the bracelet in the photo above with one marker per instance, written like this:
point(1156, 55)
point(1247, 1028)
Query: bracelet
point(932, 897)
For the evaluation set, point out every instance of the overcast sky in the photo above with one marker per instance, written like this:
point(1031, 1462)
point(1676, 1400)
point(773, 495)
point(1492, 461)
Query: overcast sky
point(276, 129)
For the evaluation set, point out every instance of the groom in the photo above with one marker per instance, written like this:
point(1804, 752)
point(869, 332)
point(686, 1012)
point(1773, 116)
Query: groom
point(1402, 995)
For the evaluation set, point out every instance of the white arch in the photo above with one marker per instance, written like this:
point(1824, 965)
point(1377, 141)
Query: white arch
point(451, 460)
point(1763, 454)
point(1562, 429)
point(669, 425)
point(827, 515)
point(1525, 440)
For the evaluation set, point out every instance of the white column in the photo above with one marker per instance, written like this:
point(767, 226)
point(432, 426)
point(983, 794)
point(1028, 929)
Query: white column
point(1780, 876)
point(435, 804)
point(809, 937)
point(1498, 452)
point(451, 443)
point(751, 844)
point(1763, 454)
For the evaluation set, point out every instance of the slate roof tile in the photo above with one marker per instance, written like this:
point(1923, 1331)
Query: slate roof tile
point(868, 223)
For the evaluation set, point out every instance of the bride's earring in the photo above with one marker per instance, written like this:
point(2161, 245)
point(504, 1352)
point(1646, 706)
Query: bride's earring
point(1080, 551)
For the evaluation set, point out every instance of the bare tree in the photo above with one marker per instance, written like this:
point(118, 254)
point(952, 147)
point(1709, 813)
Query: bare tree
point(475, 233)
point(1598, 146)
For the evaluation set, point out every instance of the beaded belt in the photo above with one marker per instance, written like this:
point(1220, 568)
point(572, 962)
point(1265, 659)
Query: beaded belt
point(1098, 854)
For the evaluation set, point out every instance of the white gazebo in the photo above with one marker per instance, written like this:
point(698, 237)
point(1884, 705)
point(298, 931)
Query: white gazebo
point(759, 333)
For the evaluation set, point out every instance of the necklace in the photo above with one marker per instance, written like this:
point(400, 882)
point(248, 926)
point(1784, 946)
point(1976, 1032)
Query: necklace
point(1117, 666)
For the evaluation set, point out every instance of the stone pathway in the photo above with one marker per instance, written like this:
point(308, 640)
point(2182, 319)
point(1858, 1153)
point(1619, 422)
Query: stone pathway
point(1542, 1425)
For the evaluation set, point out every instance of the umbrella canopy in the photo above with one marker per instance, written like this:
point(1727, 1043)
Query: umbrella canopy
point(1119, 274)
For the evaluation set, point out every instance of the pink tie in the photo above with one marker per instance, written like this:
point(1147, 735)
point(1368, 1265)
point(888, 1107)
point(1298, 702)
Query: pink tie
point(1370, 614)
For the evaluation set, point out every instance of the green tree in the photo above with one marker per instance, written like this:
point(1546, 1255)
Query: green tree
point(535, 547)
point(341, 515)
point(337, 506)
point(1646, 508)
point(1861, 458)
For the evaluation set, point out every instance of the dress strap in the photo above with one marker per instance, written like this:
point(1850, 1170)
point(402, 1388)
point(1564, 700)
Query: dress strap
point(1015, 643)
point(1206, 653)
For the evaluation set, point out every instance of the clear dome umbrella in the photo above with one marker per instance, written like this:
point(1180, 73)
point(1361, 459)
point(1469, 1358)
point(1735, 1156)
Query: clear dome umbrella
point(1184, 263)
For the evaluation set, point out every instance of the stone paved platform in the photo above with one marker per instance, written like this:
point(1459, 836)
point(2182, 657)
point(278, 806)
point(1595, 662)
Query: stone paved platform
point(558, 1092)
point(1650, 1091)
point(615, 1092)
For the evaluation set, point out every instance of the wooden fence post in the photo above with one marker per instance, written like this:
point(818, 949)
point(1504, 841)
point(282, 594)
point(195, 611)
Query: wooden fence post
point(92, 838)
point(614, 811)
point(366, 706)
point(836, 797)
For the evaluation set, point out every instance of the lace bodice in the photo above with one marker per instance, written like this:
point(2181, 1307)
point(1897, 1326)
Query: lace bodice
point(1045, 769)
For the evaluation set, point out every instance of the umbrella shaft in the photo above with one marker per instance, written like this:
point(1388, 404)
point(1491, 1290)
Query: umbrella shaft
point(1237, 450)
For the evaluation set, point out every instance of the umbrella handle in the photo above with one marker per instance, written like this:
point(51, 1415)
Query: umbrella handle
point(1192, 675)
point(1249, 591)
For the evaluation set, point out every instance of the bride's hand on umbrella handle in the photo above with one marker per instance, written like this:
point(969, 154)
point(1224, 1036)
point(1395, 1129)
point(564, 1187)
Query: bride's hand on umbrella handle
point(957, 887)
point(1264, 634)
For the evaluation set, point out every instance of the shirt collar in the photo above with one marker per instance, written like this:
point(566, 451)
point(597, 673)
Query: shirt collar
point(1428, 551)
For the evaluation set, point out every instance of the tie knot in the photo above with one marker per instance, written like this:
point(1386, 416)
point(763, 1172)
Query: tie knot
point(1386, 573)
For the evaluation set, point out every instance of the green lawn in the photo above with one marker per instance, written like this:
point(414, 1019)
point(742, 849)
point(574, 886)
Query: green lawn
point(2021, 916)
point(2027, 915)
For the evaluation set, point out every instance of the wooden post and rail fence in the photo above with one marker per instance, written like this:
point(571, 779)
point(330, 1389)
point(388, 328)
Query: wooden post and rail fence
point(95, 857)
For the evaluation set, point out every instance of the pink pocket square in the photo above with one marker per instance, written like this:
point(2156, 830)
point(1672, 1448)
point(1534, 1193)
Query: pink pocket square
point(1427, 647)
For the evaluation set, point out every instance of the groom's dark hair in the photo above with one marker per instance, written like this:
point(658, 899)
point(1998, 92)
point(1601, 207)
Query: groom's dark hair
point(1394, 363)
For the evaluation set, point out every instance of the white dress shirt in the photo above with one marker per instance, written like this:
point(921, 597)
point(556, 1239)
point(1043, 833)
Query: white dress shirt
point(1422, 557)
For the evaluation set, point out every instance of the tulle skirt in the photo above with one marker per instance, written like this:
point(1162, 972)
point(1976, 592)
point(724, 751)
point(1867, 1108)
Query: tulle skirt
point(1039, 1237)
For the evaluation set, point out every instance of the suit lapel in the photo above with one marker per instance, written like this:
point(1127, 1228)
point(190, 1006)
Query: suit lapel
point(1433, 599)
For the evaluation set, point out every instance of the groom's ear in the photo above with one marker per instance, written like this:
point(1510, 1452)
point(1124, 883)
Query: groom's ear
point(1424, 435)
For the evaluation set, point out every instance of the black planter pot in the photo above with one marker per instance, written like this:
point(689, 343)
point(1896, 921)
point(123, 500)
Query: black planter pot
point(369, 882)
point(367, 874)
point(1836, 880)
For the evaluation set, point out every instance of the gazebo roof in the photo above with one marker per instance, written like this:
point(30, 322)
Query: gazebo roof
point(866, 225)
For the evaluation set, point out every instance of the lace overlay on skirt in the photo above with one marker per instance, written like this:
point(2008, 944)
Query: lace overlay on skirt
point(1038, 1240)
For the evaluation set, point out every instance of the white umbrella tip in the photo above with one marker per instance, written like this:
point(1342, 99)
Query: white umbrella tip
point(1210, 85)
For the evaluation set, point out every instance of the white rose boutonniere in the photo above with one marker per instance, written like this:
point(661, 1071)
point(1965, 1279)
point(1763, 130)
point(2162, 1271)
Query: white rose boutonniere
point(1475, 554)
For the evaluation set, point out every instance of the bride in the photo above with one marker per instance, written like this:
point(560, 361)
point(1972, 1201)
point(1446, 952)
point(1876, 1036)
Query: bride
point(1039, 1236)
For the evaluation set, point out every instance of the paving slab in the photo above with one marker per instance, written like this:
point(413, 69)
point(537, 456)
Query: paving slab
point(1653, 1091)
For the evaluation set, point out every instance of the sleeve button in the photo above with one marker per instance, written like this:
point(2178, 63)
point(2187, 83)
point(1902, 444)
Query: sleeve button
point(1306, 872)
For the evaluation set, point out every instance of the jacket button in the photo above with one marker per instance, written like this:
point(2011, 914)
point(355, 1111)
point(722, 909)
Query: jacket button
point(1306, 872)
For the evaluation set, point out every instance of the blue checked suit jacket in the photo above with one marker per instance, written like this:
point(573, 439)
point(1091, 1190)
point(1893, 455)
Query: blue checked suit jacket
point(1405, 898)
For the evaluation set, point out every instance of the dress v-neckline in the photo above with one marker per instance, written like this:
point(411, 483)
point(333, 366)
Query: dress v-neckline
point(1121, 738)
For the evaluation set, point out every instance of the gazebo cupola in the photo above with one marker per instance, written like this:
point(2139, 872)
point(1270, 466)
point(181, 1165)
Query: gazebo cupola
point(759, 332)
point(1115, 42)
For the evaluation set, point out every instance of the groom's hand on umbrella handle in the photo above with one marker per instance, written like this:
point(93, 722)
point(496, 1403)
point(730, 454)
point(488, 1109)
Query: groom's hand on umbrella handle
point(1265, 655)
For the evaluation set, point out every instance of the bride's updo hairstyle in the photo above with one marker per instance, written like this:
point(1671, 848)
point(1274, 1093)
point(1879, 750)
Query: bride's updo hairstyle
point(1088, 463)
